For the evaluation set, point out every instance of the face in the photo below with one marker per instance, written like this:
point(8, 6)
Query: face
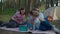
point(35, 12)
point(22, 11)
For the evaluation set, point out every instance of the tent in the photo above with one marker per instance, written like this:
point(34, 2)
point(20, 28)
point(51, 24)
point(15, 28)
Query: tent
point(53, 12)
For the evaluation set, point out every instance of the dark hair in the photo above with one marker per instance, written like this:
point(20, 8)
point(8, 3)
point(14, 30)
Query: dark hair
point(35, 9)
point(20, 10)
point(36, 15)
point(30, 12)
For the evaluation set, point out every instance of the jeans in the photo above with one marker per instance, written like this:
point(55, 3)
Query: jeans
point(13, 24)
point(29, 25)
point(45, 25)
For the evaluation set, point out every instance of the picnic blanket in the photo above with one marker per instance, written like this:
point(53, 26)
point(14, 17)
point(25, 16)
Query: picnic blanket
point(17, 30)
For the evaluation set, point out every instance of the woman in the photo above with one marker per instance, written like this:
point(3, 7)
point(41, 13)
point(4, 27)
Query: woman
point(17, 19)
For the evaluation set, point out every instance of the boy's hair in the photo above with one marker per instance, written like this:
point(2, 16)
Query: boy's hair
point(30, 12)
point(36, 14)
point(35, 9)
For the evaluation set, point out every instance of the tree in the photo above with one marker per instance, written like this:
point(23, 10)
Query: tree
point(56, 2)
point(19, 3)
point(52, 3)
point(34, 3)
point(27, 6)
point(2, 6)
point(47, 4)
point(31, 5)
point(14, 5)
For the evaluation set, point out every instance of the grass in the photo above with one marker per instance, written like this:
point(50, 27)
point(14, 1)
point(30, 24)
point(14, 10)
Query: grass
point(56, 24)
point(6, 14)
point(5, 18)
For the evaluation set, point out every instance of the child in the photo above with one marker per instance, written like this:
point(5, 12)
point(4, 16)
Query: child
point(29, 20)
point(36, 20)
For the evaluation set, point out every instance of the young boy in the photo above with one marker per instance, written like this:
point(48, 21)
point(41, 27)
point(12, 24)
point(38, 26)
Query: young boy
point(29, 20)
point(36, 21)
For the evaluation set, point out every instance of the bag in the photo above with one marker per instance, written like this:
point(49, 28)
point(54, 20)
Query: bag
point(22, 28)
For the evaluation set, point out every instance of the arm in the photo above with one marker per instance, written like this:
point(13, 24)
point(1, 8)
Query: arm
point(14, 18)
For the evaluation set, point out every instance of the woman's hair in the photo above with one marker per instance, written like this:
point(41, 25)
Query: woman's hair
point(21, 9)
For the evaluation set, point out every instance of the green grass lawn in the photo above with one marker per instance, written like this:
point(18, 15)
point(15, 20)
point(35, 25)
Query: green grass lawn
point(5, 18)
point(56, 24)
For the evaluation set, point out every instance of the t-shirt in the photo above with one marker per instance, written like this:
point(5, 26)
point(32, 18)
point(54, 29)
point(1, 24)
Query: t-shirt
point(19, 18)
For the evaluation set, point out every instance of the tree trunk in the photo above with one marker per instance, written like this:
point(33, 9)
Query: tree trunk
point(2, 6)
point(26, 6)
point(34, 4)
point(47, 4)
point(14, 5)
point(52, 3)
point(19, 3)
point(56, 2)
point(29, 5)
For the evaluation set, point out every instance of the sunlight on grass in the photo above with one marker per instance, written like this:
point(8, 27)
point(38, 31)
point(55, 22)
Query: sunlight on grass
point(5, 18)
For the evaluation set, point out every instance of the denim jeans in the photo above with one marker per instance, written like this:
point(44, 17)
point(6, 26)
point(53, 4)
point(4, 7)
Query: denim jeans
point(29, 25)
point(13, 24)
point(45, 25)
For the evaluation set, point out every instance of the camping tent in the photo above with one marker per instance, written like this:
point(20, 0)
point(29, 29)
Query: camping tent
point(54, 12)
